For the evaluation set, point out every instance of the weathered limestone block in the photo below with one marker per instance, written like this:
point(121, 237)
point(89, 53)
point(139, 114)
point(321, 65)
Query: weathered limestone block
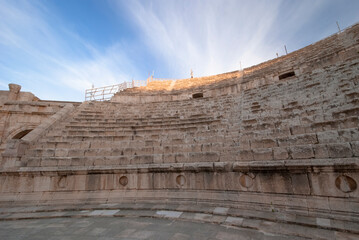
point(49, 162)
point(350, 122)
point(34, 162)
point(339, 150)
point(355, 148)
point(15, 148)
point(300, 183)
point(61, 152)
point(64, 161)
point(349, 135)
point(203, 157)
point(14, 91)
point(42, 183)
point(142, 159)
point(244, 144)
point(262, 154)
point(245, 155)
point(80, 161)
point(180, 157)
point(113, 152)
point(298, 140)
point(76, 152)
point(320, 151)
point(263, 143)
point(280, 153)
point(304, 151)
point(296, 130)
point(275, 182)
point(328, 137)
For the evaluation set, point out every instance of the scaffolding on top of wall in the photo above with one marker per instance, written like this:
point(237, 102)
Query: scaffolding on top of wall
point(106, 93)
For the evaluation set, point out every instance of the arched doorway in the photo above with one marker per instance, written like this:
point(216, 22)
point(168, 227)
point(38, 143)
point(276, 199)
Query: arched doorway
point(22, 134)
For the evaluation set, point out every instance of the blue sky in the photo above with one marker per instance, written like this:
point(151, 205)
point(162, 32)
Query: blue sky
point(58, 48)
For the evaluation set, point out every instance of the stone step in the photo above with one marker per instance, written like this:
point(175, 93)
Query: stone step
point(192, 135)
point(119, 133)
point(139, 124)
point(124, 140)
point(200, 144)
point(138, 128)
point(103, 150)
point(120, 116)
point(81, 160)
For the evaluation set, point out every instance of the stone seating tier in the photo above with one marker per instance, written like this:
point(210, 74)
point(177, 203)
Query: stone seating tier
point(118, 130)
point(312, 118)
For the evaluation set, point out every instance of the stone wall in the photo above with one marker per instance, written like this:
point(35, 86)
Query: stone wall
point(22, 113)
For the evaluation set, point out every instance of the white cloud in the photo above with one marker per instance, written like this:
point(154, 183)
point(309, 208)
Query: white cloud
point(36, 52)
point(210, 36)
point(214, 36)
point(39, 50)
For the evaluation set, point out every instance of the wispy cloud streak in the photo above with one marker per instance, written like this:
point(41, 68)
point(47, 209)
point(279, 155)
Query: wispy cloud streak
point(214, 36)
point(41, 50)
point(48, 53)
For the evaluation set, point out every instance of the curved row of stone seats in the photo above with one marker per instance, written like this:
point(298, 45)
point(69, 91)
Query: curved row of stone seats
point(310, 115)
point(275, 124)
point(119, 135)
point(270, 132)
point(316, 116)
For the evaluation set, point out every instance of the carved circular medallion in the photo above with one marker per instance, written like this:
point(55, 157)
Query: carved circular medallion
point(123, 180)
point(180, 180)
point(246, 180)
point(345, 184)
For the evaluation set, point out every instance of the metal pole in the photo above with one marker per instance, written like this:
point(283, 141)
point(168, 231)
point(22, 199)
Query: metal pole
point(285, 47)
point(338, 27)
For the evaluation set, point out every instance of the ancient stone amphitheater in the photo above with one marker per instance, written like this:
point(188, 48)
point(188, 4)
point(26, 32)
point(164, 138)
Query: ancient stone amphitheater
point(273, 149)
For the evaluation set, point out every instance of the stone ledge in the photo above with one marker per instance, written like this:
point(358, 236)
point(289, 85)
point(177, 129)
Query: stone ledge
point(37, 104)
point(305, 165)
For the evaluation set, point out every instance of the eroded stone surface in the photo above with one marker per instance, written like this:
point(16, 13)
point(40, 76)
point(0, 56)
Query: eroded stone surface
point(124, 228)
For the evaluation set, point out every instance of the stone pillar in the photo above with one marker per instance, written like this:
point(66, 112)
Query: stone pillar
point(14, 91)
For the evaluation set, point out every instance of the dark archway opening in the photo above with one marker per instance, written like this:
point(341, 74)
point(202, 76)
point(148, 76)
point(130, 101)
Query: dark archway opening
point(22, 134)
point(197, 95)
point(286, 75)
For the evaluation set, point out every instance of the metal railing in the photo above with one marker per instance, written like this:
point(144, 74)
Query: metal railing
point(106, 93)
point(103, 93)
